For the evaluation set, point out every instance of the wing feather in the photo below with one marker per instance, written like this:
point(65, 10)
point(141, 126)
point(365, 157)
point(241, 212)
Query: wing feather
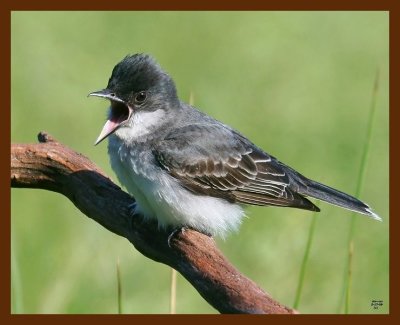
point(229, 167)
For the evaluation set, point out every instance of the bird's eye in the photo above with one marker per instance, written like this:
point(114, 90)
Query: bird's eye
point(140, 97)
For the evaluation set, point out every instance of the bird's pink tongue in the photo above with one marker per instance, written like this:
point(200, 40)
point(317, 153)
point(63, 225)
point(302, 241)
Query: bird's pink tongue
point(108, 128)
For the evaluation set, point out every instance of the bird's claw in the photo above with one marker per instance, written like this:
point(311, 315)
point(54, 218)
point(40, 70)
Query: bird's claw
point(176, 231)
point(132, 209)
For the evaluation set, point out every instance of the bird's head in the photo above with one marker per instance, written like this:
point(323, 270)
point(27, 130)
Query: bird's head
point(137, 86)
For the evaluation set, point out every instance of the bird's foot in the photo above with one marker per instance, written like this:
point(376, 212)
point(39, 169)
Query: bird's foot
point(132, 209)
point(176, 231)
point(182, 229)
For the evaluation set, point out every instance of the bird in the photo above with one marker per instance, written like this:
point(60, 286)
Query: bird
point(188, 170)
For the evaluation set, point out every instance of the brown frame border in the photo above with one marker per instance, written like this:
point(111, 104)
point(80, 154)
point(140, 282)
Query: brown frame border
point(7, 6)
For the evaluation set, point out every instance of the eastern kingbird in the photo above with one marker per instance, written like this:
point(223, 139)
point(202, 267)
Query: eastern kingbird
point(185, 168)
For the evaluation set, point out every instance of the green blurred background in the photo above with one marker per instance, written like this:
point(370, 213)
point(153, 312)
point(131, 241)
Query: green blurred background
point(299, 84)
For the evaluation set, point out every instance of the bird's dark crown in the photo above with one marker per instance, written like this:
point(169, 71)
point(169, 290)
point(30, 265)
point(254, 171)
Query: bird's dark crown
point(140, 72)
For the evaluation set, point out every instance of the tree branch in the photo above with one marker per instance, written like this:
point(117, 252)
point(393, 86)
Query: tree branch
point(52, 166)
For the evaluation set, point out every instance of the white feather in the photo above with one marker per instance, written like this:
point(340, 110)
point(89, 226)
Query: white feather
point(160, 195)
point(141, 124)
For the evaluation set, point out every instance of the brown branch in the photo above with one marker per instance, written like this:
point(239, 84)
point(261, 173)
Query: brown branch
point(52, 166)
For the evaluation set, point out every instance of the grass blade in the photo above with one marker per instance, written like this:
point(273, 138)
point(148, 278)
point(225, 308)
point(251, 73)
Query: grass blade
point(119, 288)
point(360, 182)
point(172, 301)
point(305, 260)
point(172, 298)
point(16, 287)
point(349, 277)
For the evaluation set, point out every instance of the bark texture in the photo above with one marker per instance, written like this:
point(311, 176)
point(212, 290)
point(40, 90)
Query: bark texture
point(52, 166)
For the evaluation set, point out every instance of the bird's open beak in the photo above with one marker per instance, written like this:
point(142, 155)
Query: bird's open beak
point(120, 112)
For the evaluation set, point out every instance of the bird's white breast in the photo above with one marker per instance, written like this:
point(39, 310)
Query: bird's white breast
point(160, 195)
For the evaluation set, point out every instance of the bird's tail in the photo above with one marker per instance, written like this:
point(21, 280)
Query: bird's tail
point(335, 197)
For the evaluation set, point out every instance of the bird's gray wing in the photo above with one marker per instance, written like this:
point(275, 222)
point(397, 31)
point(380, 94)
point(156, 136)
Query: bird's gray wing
point(217, 161)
